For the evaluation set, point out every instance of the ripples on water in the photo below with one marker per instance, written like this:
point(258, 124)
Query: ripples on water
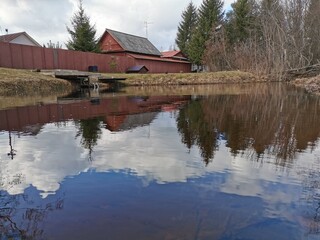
point(215, 162)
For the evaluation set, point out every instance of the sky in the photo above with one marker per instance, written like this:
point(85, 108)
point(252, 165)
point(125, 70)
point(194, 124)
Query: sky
point(46, 20)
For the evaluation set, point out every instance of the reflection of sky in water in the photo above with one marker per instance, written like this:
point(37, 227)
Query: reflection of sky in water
point(233, 189)
point(153, 153)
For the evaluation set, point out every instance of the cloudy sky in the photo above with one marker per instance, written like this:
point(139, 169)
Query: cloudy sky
point(46, 20)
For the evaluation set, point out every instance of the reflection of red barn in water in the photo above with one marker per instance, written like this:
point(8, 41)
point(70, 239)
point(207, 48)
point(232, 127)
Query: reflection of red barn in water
point(119, 113)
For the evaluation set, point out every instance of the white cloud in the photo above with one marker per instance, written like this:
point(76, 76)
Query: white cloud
point(46, 20)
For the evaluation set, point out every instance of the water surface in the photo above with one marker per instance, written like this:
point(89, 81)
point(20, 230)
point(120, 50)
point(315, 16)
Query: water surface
point(212, 162)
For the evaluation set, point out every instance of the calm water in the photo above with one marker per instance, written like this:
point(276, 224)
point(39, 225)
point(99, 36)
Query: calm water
point(213, 162)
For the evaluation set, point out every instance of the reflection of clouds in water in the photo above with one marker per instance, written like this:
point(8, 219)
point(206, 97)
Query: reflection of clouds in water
point(42, 161)
point(154, 153)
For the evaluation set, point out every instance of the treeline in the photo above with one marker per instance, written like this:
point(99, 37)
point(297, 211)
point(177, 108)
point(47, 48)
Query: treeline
point(261, 36)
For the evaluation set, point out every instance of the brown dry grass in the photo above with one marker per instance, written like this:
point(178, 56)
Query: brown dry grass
point(188, 78)
point(312, 85)
point(26, 82)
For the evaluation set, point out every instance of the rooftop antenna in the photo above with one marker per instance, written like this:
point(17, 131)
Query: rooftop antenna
point(146, 25)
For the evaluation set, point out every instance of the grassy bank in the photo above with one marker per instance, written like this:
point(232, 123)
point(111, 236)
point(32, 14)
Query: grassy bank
point(26, 82)
point(187, 78)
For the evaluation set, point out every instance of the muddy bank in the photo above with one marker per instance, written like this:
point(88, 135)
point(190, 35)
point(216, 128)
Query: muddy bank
point(28, 83)
point(311, 85)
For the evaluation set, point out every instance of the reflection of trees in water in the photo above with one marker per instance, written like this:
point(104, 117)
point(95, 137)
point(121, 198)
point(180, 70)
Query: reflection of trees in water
point(196, 130)
point(22, 218)
point(271, 120)
point(90, 132)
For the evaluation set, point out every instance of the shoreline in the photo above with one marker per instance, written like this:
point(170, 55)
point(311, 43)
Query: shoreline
point(28, 83)
point(311, 85)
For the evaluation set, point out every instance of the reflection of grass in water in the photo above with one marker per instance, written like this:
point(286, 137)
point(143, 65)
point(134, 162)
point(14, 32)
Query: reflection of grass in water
point(212, 89)
point(18, 101)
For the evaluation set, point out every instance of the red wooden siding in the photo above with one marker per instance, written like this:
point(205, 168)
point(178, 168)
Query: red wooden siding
point(30, 57)
point(108, 43)
point(163, 67)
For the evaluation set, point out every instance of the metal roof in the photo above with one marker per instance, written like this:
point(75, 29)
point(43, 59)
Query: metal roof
point(12, 36)
point(137, 68)
point(144, 57)
point(169, 54)
point(135, 44)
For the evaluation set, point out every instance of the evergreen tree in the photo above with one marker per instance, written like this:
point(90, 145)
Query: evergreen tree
point(312, 24)
point(82, 33)
point(186, 27)
point(241, 20)
point(210, 16)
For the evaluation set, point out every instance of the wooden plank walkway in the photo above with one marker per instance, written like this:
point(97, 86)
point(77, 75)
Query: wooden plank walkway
point(81, 78)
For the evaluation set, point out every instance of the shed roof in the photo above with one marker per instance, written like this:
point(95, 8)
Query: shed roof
point(132, 43)
point(12, 36)
point(137, 68)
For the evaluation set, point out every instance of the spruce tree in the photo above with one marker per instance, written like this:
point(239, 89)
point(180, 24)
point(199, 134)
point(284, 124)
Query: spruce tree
point(186, 27)
point(210, 16)
point(241, 20)
point(82, 33)
point(312, 25)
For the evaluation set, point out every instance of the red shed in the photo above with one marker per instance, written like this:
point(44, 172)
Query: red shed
point(142, 52)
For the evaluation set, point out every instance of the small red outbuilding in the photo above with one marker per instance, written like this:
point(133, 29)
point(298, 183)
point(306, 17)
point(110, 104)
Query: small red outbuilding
point(142, 52)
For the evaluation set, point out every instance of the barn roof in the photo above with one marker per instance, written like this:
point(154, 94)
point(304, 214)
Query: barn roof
point(12, 36)
point(132, 43)
point(175, 54)
point(169, 54)
point(144, 57)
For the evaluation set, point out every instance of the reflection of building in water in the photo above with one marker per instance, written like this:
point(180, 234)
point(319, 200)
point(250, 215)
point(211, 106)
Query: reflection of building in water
point(122, 123)
point(119, 113)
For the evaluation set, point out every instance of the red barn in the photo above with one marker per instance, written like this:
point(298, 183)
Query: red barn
point(142, 52)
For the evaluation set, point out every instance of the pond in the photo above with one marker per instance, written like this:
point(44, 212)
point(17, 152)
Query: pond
point(207, 162)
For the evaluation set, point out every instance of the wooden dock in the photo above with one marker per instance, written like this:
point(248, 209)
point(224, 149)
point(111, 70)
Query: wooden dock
point(81, 78)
